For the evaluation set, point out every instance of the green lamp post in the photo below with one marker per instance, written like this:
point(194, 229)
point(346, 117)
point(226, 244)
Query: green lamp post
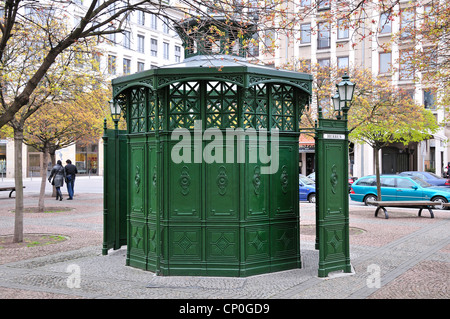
point(332, 210)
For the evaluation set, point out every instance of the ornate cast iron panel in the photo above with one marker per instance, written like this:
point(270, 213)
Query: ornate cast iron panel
point(332, 217)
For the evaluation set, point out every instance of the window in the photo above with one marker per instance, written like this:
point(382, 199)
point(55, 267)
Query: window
point(141, 18)
point(76, 19)
point(305, 65)
point(166, 50)
point(305, 33)
point(342, 29)
point(324, 65)
point(406, 71)
point(385, 23)
point(154, 47)
point(270, 37)
point(342, 62)
point(407, 23)
point(430, 18)
point(432, 59)
point(305, 3)
point(126, 39)
point(153, 21)
point(385, 62)
point(177, 53)
point(95, 62)
point(112, 9)
point(253, 46)
point(112, 36)
point(86, 158)
point(111, 64)
point(323, 38)
point(388, 182)
point(126, 66)
point(370, 181)
point(323, 4)
point(165, 25)
point(140, 66)
point(407, 95)
point(141, 41)
point(428, 99)
point(405, 183)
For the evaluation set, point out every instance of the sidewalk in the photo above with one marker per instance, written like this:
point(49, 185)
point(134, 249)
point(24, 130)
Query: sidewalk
point(403, 257)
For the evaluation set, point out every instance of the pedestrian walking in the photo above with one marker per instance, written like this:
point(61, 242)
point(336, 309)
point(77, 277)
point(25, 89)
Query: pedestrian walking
point(57, 176)
point(71, 171)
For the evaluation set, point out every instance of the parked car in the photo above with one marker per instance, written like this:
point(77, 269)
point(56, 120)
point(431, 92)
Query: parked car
point(398, 188)
point(430, 178)
point(351, 179)
point(306, 189)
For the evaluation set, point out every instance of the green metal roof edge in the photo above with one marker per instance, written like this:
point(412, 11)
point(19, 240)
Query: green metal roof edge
point(261, 74)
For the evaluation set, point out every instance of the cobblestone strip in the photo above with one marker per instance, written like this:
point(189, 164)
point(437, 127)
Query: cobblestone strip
point(401, 269)
point(396, 257)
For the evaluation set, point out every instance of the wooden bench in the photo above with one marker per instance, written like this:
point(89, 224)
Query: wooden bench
point(11, 189)
point(381, 205)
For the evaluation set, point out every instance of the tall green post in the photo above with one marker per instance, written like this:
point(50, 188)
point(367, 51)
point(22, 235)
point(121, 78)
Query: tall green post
point(332, 196)
point(332, 202)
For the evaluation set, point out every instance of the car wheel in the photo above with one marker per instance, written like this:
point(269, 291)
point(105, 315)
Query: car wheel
point(368, 199)
point(440, 200)
point(312, 198)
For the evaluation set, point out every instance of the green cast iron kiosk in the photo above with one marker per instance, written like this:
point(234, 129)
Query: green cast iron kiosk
point(196, 216)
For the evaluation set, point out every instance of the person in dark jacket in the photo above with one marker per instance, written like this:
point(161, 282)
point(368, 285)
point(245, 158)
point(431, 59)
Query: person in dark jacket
point(57, 177)
point(71, 171)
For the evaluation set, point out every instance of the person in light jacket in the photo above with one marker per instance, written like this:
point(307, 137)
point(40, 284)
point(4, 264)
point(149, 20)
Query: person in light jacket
point(57, 177)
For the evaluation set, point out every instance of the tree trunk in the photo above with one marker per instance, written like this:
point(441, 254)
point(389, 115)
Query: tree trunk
point(377, 171)
point(41, 204)
point(18, 222)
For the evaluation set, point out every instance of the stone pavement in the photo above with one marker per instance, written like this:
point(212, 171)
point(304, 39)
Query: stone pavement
point(403, 257)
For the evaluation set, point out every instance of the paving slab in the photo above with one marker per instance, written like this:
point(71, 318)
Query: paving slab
point(403, 257)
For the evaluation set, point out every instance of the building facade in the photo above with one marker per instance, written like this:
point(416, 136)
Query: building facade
point(327, 44)
point(147, 42)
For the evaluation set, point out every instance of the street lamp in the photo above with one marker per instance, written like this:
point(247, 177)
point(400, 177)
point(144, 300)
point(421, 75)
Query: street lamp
point(344, 95)
point(346, 89)
point(338, 104)
point(115, 112)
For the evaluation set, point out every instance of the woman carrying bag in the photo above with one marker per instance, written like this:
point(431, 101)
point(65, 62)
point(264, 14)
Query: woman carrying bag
point(58, 174)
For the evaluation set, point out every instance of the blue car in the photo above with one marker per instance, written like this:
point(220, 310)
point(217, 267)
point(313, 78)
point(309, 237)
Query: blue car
point(398, 188)
point(430, 178)
point(306, 189)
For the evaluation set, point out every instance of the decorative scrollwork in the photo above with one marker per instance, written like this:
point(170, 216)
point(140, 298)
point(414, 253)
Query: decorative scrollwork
point(222, 180)
point(284, 179)
point(257, 179)
point(185, 180)
point(154, 176)
point(333, 179)
point(137, 179)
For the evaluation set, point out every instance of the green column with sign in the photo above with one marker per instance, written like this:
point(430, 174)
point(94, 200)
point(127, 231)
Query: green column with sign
point(332, 214)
